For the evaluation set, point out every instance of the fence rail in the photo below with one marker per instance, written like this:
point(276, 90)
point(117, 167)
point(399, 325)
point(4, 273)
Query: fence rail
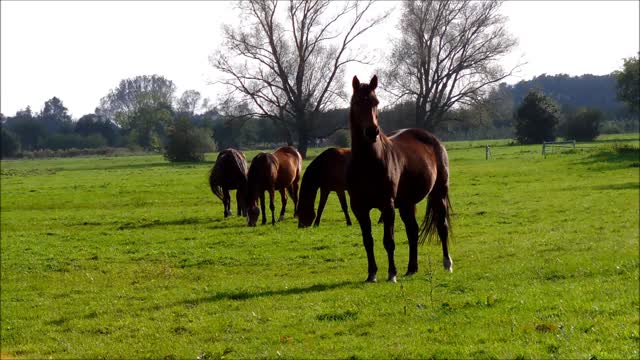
point(554, 144)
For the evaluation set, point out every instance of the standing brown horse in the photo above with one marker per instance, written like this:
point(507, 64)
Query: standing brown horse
point(230, 173)
point(395, 172)
point(327, 172)
point(270, 172)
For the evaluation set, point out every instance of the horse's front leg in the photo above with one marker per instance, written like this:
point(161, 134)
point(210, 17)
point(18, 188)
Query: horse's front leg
point(343, 205)
point(283, 199)
point(389, 215)
point(367, 240)
point(324, 194)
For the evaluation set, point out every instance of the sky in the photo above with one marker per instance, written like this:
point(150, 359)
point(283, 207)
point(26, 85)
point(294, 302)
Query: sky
point(79, 50)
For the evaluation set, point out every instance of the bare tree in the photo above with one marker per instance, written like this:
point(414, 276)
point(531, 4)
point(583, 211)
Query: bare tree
point(284, 61)
point(447, 54)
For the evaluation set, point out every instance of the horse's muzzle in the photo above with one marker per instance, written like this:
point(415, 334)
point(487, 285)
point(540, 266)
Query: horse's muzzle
point(371, 133)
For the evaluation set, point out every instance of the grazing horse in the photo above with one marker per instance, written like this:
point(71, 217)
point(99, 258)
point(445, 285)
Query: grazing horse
point(327, 172)
point(230, 173)
point(395, 172)
point(270, 172)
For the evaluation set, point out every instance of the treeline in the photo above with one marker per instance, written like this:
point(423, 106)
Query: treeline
point(139, 113)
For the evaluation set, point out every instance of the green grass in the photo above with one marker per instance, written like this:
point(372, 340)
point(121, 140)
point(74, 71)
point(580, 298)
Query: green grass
point(130, 257)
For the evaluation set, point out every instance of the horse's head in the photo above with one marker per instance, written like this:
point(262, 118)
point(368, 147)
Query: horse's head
point(364, 109)
point(253, 212)
point(306, 215)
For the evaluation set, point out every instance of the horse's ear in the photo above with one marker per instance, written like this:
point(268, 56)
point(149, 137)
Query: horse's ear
point(355, 83)
point(373, 84)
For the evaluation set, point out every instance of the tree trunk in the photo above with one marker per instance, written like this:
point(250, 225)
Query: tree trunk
point(303, 145)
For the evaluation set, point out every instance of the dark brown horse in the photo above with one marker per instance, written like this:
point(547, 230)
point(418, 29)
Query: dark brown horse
point(395, 172)
point(328, 173)
point(280, 171)
point(230, 173)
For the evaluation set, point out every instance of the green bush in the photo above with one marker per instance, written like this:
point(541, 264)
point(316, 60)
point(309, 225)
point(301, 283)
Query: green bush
point(10, 143)
point(536, 118)
point(186, 142)
point(584, 125)
point(340, 138)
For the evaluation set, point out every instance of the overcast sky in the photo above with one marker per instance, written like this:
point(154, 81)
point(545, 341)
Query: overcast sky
point(78, 51)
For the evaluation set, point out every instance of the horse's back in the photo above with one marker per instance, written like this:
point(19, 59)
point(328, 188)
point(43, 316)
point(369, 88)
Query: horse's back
point(289, 166)
point(263, 171)
point(230, 168)
point(332, 164)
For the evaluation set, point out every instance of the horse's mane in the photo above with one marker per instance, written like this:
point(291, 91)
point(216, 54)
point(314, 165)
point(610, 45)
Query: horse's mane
point(311, 180)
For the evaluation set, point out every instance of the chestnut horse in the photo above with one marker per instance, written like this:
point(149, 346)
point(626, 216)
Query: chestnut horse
point(395, 172)
point(230, 173)
point(328, 173)
point(270, 172)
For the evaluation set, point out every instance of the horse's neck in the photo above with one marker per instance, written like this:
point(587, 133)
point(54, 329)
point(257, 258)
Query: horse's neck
point(362, 150)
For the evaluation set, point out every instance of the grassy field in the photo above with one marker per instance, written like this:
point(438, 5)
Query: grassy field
point(130, 257)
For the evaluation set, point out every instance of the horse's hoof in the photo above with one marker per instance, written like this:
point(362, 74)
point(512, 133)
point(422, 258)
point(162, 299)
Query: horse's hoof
point(281, 218)
point(371, 279)
point(448, 264)
point(410, 273)
point(392, 278)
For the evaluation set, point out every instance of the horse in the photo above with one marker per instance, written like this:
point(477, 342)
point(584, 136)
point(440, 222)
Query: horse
point(396, 172)
point(328, 173)
point(280, 171)
point(230, 173)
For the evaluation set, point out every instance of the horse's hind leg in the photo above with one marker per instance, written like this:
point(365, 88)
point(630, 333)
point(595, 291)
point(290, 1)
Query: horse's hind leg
point(408, 216)
point(226, 201)
point(293, 191)
point(324, 194)
point(239, 201)
point(283, 198)
point(264, 213)
point(440, 207)
point(343, 205)
point(272, 207)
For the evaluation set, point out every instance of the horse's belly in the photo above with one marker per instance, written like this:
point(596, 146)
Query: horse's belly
point(412, 190)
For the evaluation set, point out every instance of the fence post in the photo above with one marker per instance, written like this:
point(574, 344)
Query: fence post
point(486, 152)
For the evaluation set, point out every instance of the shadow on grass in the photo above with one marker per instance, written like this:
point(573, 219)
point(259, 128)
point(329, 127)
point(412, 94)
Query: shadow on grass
point(184, 221)
point(614, 157)
point(625, 186)
point(137, 166)
point(248, 294)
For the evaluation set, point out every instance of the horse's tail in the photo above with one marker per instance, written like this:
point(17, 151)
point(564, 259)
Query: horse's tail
point(438, 205)
point(215, 188)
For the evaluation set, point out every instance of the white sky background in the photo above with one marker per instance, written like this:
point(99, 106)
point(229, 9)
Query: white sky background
point(78, 51)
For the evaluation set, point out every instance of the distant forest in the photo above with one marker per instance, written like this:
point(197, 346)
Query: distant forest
point(494, 116)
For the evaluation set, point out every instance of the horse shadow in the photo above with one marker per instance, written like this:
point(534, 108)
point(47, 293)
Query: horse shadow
point(212, 223)
point(241, 295)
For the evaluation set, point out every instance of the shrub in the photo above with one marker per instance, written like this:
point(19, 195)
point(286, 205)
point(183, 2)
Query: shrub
point(10, 143)
point(584, 125)
point(186, 142)
point(536, 118)
point(341, 138)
